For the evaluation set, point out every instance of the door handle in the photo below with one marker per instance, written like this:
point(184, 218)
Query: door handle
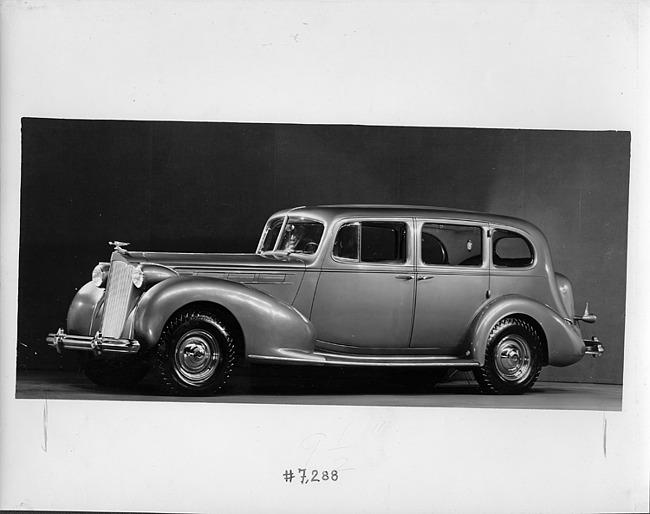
point(425, 277)
point(404, 277)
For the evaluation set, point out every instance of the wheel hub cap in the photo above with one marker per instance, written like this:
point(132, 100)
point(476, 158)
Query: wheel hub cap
point(197, 356)
point(512, 359)
point(194, 354)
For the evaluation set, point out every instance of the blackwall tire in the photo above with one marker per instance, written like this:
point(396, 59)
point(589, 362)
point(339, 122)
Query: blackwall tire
point(195, 354)
point(512, 358)
point(121, 372)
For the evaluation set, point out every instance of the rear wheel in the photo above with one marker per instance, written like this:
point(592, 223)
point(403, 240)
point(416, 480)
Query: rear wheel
point(195, 354)
point(512, 358)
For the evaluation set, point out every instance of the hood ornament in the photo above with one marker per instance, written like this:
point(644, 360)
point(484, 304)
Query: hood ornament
point(118, 246)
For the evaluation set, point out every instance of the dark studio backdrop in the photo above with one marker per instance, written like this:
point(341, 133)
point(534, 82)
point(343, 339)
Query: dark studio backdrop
point(209, 187)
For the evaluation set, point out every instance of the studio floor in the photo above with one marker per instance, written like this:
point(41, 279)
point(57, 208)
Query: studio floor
point(334, 387)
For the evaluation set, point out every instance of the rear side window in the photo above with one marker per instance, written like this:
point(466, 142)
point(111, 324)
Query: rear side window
point(511, 250)
point(453, 245)
point(371, 241)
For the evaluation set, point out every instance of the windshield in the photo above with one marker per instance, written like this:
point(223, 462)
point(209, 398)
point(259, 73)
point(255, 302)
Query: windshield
point(271, 234)
point(299, 236)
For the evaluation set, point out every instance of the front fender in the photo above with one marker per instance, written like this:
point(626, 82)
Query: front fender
point(268, 324)
point(563, 340)
point(81, 319)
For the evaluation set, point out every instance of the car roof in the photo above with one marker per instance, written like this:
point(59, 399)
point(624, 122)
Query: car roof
point(332, 213)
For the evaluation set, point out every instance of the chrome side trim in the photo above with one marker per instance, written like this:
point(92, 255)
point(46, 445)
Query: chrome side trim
point(357, 357)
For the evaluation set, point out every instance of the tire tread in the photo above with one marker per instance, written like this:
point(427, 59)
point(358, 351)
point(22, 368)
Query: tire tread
point(165, 376)
point(488, 380)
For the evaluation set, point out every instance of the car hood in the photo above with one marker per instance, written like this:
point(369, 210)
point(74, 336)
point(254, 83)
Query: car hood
point(227, 261)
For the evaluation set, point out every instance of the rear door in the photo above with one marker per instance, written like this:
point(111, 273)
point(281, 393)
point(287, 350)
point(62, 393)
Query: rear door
point(452, 282)
point(365, 294)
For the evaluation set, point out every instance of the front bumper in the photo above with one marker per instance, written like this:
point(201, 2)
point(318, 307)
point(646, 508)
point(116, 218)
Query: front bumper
point(593, 347)
point(97, 344)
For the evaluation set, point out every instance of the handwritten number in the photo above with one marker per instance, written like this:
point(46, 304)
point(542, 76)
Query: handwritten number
point(332, 475)
point(312, 443)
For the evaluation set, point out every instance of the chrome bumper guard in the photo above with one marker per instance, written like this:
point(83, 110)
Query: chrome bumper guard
point(97, 344)
point(593, 347)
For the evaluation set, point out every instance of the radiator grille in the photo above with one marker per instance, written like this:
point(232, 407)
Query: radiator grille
point(117, 299)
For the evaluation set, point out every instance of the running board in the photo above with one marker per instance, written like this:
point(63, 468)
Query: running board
point(395, 360)
point(288, 356)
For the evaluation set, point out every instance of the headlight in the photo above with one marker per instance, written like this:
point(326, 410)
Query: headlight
point(137, 276)
point(100, 274)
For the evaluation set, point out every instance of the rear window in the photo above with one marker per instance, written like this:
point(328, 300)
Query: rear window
point(511, 250)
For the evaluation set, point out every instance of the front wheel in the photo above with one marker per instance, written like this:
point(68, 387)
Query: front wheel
point(512, 358)
point(195, 354)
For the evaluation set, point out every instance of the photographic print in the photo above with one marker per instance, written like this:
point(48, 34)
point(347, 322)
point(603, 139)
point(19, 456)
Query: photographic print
point(345, 282)
point(328, 256)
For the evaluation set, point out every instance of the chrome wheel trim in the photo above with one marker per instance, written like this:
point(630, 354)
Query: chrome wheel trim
point(513, 361)
point(196, 357)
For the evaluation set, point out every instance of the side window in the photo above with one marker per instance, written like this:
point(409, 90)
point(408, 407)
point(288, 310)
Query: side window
point(511, 250)
point(383, 242)
point(371, 241)
point(346, 245)
point(453, 245)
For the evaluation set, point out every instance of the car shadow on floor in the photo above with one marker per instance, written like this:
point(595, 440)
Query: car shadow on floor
point(266, 383)
point(270, 381)
point(266, 380)
point(330, 386)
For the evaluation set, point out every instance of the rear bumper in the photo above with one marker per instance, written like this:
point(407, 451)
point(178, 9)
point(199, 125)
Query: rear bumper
point(97, 344)
point(593, 347)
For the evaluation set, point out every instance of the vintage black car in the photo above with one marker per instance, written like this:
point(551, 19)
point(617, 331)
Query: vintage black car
point(337, 286)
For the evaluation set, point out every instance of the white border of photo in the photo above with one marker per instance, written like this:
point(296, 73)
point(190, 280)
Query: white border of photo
point(503, 64)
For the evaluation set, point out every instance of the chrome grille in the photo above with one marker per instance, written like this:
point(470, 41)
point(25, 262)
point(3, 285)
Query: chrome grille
point(118, 289)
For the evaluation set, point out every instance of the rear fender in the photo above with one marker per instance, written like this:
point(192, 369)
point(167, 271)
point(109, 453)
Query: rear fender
point(268, 325)
point(564, 342)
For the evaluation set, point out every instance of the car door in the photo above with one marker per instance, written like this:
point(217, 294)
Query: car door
point(365, 294)
point(452, 282)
